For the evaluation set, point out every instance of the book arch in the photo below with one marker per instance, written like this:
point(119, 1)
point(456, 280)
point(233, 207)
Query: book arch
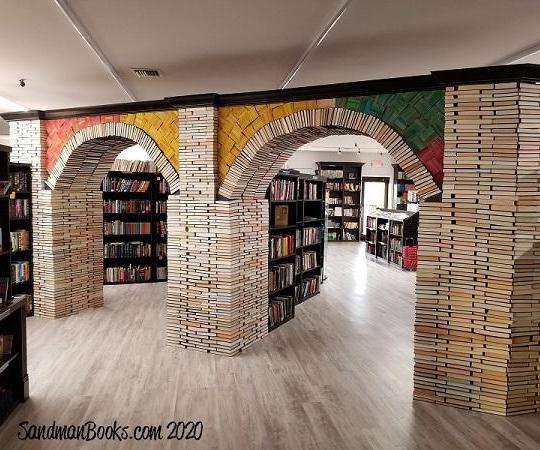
point(69, 228)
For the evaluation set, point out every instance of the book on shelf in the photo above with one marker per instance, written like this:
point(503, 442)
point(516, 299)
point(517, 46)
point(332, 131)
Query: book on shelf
point(281, 189)
point(114, 206)
point(135, 249)
point(311, 191)
point(161, 206)
point(310, 286)
point(350, 212)
point(163, 186)
point(19, 208)
point(161, 272)
point(280, 276)
point(129, 165)
point(281, 215)
point(4, 290)
point(130, 273)
point(20, 271)
point(19, 181)
point(20, 240)
point(309, 260)
point(281, 246)
point(161, 250)
point(331, 173)
point(116, 184)
point(280, 308)
point(118, 227)
point(311, 235)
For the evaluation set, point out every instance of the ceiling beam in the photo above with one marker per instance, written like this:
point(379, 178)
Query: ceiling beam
point(315, 43)
point(92, 45)
point(518, 56)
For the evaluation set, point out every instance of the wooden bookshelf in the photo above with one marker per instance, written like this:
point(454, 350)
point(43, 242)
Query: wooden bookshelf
point(344, 198)
point(135, 256)
point(297, 213)
point(405, 194)
point(21, 234)
point(388, 231)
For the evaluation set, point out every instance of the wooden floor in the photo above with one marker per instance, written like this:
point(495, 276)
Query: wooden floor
point(339, 376)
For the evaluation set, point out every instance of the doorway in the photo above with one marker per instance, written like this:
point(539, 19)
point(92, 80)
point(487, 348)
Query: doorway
point(374, 195)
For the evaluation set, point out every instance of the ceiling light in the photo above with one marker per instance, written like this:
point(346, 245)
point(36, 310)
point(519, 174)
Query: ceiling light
point(8, 105)
point(339, 150)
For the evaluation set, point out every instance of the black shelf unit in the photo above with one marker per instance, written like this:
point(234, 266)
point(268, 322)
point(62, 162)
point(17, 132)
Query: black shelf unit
point(21, 231)
point(343, 196)
point(13, 371)
point(151, 241)
point(388, 231)
point(298, 215)
point(403, 189)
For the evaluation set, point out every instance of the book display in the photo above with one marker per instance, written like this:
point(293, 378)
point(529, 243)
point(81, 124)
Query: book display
point(344, 197)
point(20, 235)
point(388, 231)
point(406, 196)
point(13, 305)
point(134, 224)
point(296, 242)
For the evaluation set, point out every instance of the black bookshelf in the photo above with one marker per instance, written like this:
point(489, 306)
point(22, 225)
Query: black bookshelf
point(296, 215)
point(344, 198)
point(404, 190)
point(21, 236)
point(388, 231)
point(13, 372)
point(146, 258)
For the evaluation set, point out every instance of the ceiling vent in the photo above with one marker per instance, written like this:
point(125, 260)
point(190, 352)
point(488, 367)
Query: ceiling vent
point(146, 73)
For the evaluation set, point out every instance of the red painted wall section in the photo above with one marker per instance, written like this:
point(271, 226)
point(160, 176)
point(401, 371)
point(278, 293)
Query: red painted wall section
point(59, 131)
point(432, 155)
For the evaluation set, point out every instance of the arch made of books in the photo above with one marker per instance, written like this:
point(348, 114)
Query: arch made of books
point(272, 145)
point(89, 154)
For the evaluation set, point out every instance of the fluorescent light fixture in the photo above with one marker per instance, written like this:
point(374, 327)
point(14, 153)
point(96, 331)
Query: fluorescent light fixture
point(8, 105)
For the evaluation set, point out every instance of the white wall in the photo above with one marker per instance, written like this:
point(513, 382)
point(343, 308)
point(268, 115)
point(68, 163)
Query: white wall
point(306, 161)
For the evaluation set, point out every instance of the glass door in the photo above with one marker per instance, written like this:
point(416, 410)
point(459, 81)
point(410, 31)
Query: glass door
point(374, 195)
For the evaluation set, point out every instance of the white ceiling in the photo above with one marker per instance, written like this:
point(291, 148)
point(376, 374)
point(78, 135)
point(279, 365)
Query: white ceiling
point(344, 143)
point(242, 45)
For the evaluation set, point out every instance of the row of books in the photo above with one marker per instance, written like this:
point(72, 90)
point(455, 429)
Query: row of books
point(311, 235)
point(117, 227)
point(350, 225)
point(19, 208)
point(311, 191)
point(113, 184)
point(335, 186)
point(343, 212)
point(128, 165)
point(371, 222)
point(334, 235)
point(333, 224)
point(20, 240)
point(279, 309)
point(349, 200)
point(135, 249)
point(282, 245)
point(280, 276)
point(331, 173)
point(352, 187)
point(396, 258)
point(348, 236)
point(310, 286)
point(282, 189)
point(161, 228)
point(19, 182)
point(130, 273)
point(161, 249)
point(161, 272)
point(127, 206)
point(163, 186)
point(396, 228)
point(161, 206)
point(20, 271)
point(334, 201)
point(350, 212)
point(309, 260)
point(395, 244)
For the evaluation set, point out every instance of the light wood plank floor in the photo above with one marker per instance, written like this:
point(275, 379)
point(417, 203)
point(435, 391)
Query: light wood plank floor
point(337, 377)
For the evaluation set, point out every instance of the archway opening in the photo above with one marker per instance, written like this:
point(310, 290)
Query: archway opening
point(74, 211)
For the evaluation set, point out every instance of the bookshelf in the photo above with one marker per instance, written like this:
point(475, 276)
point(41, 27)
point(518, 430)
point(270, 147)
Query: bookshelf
point(296, 242)
point(406, 196)
point(388, 231)
point(20, 176)
point(13, 373)
point(344, 198)
point(134, 226)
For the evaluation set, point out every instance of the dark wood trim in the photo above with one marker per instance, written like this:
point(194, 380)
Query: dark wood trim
point(436, 80)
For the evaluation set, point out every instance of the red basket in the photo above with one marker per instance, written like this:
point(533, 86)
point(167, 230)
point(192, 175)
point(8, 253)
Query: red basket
point(410, 256)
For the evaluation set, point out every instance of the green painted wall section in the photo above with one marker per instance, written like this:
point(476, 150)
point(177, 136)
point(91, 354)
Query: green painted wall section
point(417, 116)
